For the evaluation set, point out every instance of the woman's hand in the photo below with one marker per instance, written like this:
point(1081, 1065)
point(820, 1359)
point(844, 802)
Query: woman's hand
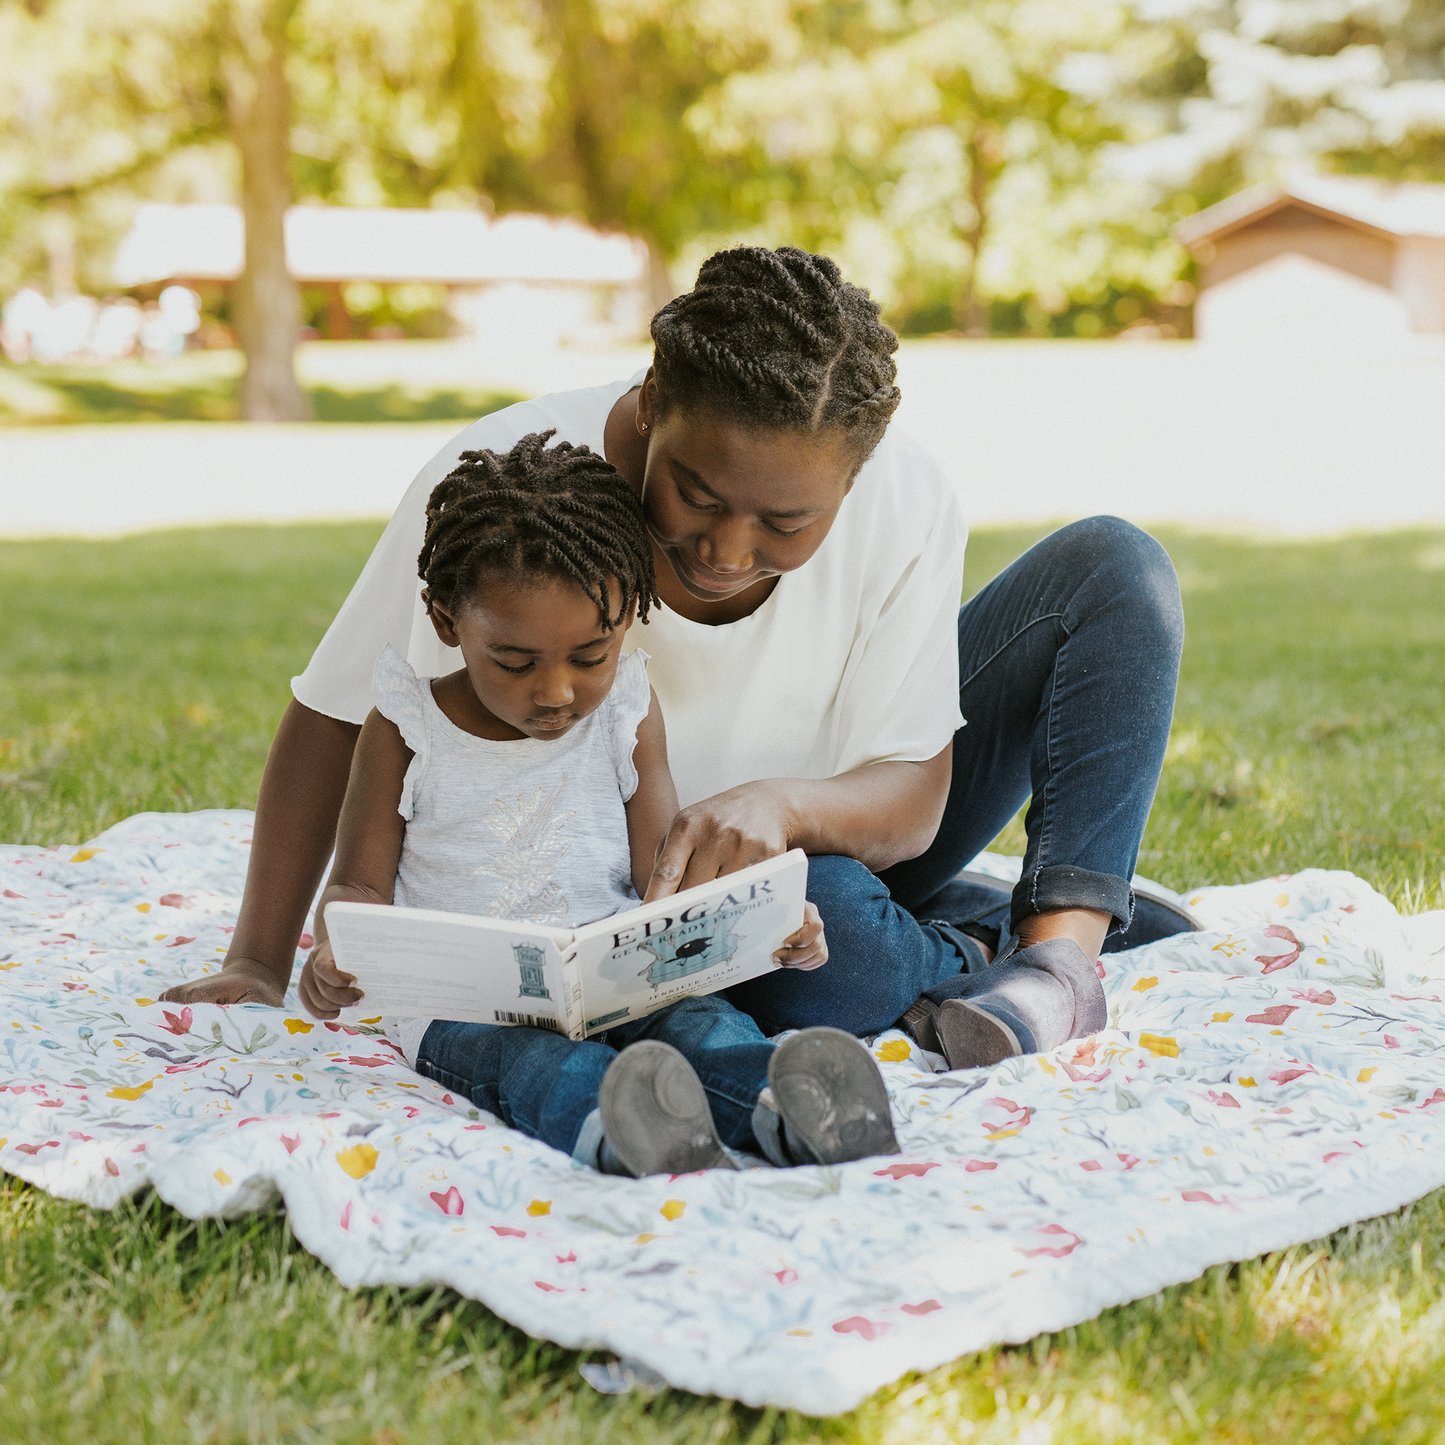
point(719, 835)
point(241, 980)
point(880, 814)
point(324, 989)
point(807, 948)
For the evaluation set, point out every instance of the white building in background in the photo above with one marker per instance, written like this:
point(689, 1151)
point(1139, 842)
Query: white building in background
point(519, 279)
point(1321, 259)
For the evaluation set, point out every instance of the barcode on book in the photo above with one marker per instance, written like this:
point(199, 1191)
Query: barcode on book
point(532, 1021)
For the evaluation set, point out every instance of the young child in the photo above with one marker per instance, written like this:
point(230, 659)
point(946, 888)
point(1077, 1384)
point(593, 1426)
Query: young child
point(533, 783)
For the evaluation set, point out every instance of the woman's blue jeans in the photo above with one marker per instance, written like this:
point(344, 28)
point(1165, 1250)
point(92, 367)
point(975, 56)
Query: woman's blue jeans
point(546, 1085)
point(1068, 661)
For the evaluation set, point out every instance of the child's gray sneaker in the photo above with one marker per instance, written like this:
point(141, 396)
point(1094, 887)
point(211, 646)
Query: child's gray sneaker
point(655, 1115)
point(831, 1098)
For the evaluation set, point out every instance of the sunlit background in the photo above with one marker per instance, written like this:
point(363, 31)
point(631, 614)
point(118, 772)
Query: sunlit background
point(1171, 259)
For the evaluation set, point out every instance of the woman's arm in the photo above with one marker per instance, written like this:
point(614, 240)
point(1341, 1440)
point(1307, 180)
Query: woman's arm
point(300, 798)
point(880, 814)
point(368, 848)
point(651, 810)
point(652, 807)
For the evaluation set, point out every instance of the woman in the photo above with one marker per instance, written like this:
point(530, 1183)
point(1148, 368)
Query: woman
point(808, 657)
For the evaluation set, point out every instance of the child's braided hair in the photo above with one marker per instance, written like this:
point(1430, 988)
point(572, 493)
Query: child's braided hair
point(562, 511)
point(779, 339)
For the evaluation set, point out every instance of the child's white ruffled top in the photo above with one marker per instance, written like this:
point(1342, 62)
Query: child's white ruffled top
point(527, 829)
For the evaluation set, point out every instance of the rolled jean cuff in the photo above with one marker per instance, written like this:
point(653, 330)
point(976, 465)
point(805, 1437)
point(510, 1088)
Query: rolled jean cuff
point(1067, 887)
point(768, 1131)
point(587, 1150)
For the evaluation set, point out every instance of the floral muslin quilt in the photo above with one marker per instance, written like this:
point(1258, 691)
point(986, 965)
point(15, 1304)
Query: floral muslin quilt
point(1259, 1085)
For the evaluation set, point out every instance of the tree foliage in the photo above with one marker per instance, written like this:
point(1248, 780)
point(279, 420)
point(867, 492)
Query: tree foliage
point(1250, 89)
point(959, 155)
point(949, 149)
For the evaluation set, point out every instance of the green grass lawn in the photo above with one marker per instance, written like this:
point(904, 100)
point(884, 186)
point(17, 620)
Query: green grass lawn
point(205, 386)
point(149, 672)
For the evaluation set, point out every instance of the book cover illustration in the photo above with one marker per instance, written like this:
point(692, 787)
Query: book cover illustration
point(686, 948)
point(532, 966)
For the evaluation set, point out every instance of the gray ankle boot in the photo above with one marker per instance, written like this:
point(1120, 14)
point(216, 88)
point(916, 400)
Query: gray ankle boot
point(1032, 1001)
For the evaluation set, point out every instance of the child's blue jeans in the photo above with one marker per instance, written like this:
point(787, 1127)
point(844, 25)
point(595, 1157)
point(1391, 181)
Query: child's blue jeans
point(546, 1085)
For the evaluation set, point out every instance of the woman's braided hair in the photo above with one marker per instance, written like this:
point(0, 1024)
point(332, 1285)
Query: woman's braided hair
point(778, 339)
point(562, 511)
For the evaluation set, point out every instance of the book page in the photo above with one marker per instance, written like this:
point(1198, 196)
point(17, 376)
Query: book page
point(696, 942)
point(419, 963)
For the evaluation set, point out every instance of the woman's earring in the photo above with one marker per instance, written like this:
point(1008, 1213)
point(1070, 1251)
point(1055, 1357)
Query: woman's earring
point(642, 427)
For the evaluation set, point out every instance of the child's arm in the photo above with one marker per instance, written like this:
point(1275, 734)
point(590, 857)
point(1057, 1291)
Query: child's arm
point(368, 848)
point(651, 809)
point(650, 812)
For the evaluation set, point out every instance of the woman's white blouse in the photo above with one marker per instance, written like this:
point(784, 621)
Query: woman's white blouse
point(853, 659)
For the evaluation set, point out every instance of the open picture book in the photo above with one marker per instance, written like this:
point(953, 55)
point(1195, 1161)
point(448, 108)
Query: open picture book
point(419, 963)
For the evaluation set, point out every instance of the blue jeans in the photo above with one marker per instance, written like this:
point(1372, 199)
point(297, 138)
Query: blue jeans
point(546, 1085)
point(1068, 661)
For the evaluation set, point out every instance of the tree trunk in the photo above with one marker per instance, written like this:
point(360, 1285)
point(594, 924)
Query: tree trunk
point(338, 318)
point(985, 156)
point(660, 288)
point(58, 231)
point(267, 301)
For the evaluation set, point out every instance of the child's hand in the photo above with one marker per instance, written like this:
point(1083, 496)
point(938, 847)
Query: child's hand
point(324, 989)
point(807, 948)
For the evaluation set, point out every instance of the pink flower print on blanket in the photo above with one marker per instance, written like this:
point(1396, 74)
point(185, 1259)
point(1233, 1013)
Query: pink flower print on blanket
point(1274, 962)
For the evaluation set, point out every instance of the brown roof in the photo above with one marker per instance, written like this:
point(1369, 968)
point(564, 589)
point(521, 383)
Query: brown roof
point(1378, 207)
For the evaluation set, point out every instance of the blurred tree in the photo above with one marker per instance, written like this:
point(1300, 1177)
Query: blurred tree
point(998, 68)
point(620, 145)
point(109, 94)
point(918, 113)
point(1251, 90)
point(576, 107)
point(413, 101)
point(253, 49)
point(72, 124)
point(623, 77)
